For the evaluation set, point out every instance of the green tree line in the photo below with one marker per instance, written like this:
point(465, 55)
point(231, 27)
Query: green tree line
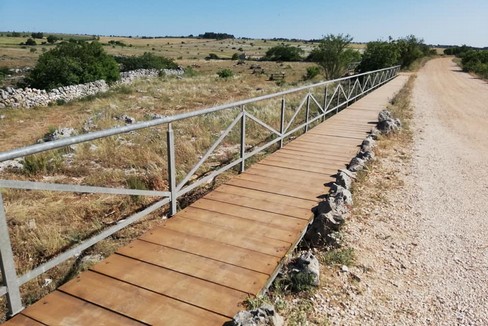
point(472, 59)
point(335, 57)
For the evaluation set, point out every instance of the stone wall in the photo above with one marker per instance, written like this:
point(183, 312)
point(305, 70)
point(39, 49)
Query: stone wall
point(31, 97)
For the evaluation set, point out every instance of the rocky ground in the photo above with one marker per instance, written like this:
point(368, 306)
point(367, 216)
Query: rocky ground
point(419, 228)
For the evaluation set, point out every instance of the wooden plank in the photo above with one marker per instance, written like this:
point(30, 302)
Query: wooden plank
point(344, 155)
point(60, 308)
point(292, 175)
point(330, 167)
point(227, 235)
point(261, 195)
point(294, 166)
point(326, 154)
point(314, 156)
point(269, 188)
point(363, 130)
point(300, 188)
point(326, 143)
point(264, 205)
point(330, 144)
point(209, 296)
point(307, 159)
point(216, 250)
point(237, 223)
point(138, 303)
point(265, 218)
point(228, 275)
point(352, 136)
point(318, 148)
point(21, 320)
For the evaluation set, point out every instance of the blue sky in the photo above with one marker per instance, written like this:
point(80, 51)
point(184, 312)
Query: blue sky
point(436, 21)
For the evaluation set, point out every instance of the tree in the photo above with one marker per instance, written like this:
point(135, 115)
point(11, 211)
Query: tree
point(145, 61)
point(39, 35)
point(284, 53)
point(51, 39)
point(378, 55)
point(217, 36)
point(411, 48)
point(334, 56)
point(72, 63)
point(30, 42)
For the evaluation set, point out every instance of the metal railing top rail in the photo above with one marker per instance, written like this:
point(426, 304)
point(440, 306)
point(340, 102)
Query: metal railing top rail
point(37, 148)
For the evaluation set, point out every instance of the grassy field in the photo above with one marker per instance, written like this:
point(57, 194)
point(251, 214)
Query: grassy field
point(44, 223)
point(14, 55)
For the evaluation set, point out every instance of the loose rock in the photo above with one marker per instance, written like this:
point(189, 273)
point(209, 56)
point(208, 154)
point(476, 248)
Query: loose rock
point(264, 315)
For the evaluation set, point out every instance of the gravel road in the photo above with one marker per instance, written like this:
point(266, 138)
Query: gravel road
point(422, 253)
point(451, 181)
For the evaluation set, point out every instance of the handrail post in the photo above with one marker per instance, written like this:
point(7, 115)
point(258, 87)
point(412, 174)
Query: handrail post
point(171, 170)
point(243, 140)
point(282, 122)
point(338, 97)
point(7, 266)
point(348, 92)
point(325, 102)
point(307, 117)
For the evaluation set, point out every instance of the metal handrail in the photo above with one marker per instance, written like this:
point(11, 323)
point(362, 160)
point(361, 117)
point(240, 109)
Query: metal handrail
point(12, 282)
point(33, 149)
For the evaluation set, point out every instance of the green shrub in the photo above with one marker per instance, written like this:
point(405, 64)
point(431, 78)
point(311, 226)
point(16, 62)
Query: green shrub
point(311, 73)
point(340, 256)
point(30, 42)
point(136, 182)
point(43, 163)
point(403, 51)
point(4, 71)
point(225, 73)
point(38, 35)
point(475, 61)
point(72, 63)
point(284, 53)
point(301, 282)
point(145, 61)
point(378, 55)
point(212, 56)
point(52, 39)
point(190, 72)
point(411, 48)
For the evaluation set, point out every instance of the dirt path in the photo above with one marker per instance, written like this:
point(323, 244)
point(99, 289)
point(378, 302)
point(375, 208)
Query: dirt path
point(422, 248)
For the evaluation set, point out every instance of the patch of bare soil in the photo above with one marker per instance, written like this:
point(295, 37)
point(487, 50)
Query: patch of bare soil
point(420, 226)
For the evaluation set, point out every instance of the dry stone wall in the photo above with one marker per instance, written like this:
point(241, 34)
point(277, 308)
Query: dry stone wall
point(31, 97)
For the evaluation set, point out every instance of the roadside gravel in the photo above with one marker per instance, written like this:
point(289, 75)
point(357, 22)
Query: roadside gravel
point(420, 232)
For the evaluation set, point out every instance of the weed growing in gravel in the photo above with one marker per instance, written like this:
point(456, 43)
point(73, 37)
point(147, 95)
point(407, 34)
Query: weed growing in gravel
point(255, 302)
point(339, 256)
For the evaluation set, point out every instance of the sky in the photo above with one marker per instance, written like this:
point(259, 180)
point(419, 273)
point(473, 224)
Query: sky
point(436, 21)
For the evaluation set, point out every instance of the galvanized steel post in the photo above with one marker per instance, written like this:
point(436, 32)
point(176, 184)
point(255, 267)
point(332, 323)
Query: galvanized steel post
point(171, 170)
point(307, 114)
point(7, 266)
point(282, 121)
point(243, 140)
point(325, 102)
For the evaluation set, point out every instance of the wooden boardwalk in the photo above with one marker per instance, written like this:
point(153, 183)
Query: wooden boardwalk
point(200, 266)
